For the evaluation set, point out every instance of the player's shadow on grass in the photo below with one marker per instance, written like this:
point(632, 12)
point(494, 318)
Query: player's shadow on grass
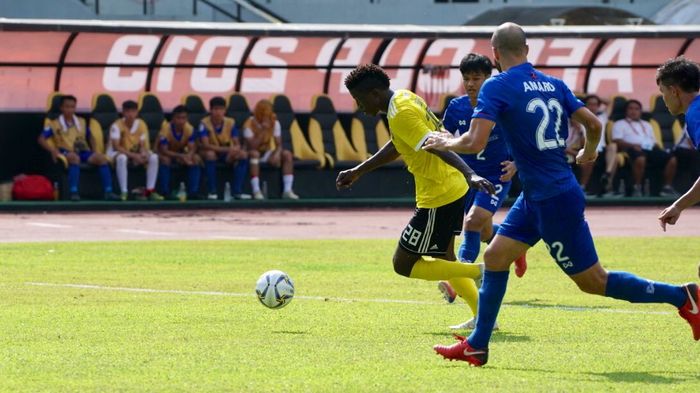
point(536, 303)
point(646, 377)
point(498, 337)
point(289, 332)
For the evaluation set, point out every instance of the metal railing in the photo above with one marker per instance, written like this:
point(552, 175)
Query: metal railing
point(235, 16)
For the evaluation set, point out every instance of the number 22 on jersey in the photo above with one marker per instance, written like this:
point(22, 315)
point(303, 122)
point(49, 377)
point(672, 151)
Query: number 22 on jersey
point(554, 107)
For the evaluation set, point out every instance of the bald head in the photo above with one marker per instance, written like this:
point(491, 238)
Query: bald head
point(509, 40)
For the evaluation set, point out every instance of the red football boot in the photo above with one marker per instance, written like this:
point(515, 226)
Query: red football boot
point(690, 310)
point(520, 266)
point(463, 351)
point(448, 293)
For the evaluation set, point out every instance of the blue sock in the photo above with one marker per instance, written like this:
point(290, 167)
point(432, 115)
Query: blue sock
point(239, 173)
point(627, 286)
point(193, 174)
point(490, 297)
point(164, 177)
point(469, 249)
point(106, 176)
point(211, 176)
point(73, 178)
point(494, 232)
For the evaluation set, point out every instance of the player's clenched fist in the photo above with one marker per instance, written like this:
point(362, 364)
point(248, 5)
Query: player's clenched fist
point(583, 157)
point(346, 178)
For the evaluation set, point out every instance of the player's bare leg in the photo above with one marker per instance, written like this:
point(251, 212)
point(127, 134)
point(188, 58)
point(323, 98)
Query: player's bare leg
point(255, 174)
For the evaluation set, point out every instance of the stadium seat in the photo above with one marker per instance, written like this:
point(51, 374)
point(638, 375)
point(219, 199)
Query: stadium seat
point(292, 137)
point(53, 103)
point(104, 112)
point(334, 143)
point(375, 133)
point(667, 128)
point(151, 112)
point(617, 108)
point(238, 109)
point(195, 109)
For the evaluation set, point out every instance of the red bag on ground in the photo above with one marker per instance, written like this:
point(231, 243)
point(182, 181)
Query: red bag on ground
point(32, 188)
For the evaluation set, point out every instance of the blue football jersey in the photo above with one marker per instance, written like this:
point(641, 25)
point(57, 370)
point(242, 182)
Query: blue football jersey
point(692, 121)
point(532, 110)
point(486, 163)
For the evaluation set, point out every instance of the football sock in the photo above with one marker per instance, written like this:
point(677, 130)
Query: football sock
point(164, 171)
point(469, 249)
point(239, 173)
point(287, 181)
point(440, 269)
point(73, 178)
point(211, 176)
point(627, 286)
point(106, 177)
point(152, 171)
point(193, 174)
point(491, 295)
point(122, 173)
point(255, 184)
point(466, 289)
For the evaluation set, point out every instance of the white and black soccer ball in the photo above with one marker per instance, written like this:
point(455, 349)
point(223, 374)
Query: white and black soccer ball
point(274, 289)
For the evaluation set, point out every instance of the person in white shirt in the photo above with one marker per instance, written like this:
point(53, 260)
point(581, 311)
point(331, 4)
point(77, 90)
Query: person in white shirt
point(636, 137)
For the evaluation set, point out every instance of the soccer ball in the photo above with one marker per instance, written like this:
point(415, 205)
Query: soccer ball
point(274, 289)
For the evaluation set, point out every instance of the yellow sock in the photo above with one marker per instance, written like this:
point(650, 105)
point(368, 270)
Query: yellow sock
point(439, 269)
point(467, 290)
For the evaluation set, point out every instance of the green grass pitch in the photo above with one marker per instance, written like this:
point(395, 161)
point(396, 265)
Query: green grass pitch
point(553, 338)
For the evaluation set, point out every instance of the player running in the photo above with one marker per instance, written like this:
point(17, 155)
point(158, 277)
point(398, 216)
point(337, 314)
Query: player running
point(679, 82)
point(439, 176)
point(533, 110)
point(493, 163)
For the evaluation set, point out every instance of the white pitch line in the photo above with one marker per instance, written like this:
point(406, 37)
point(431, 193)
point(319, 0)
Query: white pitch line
point(142, 232)
point(334, 299)
point(48, 225)
point(224, 237)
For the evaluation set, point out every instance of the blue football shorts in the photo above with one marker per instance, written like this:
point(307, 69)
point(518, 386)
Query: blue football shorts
point(485, 201)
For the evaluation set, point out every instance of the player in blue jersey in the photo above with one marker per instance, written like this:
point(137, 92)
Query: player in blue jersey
point(679, 82)
point(492, 163)
point(533, 110)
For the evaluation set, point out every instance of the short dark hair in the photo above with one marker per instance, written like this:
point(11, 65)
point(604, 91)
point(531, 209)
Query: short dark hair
point(217, 101)
point(179, 109)
point(591, 97)
point(632, 101)
point(366, 77)
point(679, 72)
point(66, 97)
point(475, 62)
point(129, 104)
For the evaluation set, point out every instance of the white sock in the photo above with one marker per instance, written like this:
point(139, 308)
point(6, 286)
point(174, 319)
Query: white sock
point(287, 181)
point(121, 172)
point(151, 171)
point(255, 184)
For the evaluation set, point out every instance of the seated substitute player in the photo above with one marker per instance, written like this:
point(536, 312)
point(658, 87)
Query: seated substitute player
point(493, 163)
point(219, 140)
point(679, 81)
point(440, 180)
point(129, 144)
point(263, 134)
point(67, 137)
point(176, 143)
point(532, 109)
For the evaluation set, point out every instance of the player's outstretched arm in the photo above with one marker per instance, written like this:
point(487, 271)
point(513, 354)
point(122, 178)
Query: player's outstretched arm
point(471, 142)
point(385, 155)
point(594, 130)
point(672, 213)
point(474, 180)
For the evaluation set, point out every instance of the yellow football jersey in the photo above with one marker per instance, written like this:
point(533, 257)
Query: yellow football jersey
point(222, 138)
point(131, 138)
point(410, 122)
point(176, 143)
point(71, 137)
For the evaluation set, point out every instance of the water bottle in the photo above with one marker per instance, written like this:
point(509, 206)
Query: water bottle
point(182, 193)
point(227, 192)
point(55, 191)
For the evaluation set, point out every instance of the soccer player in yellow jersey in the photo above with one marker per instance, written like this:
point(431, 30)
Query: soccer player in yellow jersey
point(176, 143)
point(129, 144)
point(440, 182)
point(68, 138)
